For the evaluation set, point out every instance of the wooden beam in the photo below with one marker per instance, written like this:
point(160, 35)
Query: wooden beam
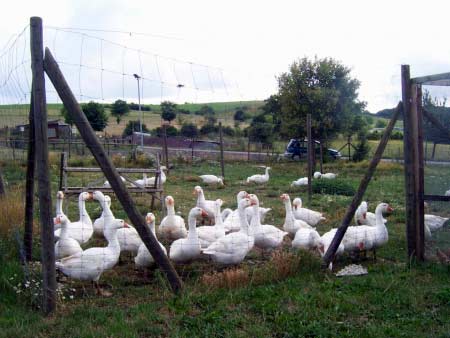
point(429, 80)
point(331, 252)
point(430, 117)
point(438, 198)
point(29, 186)
point(45, 201)
point(310, 156)
point(109, 170)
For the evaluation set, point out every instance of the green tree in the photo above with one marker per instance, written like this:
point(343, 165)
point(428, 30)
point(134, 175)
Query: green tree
point(168, 111)
point(272, 107)
point(119, 109)
point(94, 112)
point(133, 126)
point(380, 124)
point(189, 130)
point(239, 115)
point(323, 88)
point(362, 150)
point(205, 110)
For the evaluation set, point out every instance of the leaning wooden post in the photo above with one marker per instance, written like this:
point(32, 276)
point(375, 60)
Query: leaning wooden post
point(29, 186)
point(329, 255)
point(409, 154)
point(2, 185)
point(222, 165)
point(109, 170)
point(40, 123)
point(310, 156)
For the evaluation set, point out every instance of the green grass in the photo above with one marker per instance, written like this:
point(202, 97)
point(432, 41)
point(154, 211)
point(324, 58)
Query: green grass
point(393, 300)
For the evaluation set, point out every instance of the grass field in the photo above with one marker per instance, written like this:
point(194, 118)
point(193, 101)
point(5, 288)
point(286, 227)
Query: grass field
point(285, 295)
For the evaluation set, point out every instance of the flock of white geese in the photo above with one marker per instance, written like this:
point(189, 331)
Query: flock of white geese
point(229, 238)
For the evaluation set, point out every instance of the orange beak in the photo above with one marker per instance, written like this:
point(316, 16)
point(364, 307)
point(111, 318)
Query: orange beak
point(252, 202)
point(390, 209)
point(91, 196)
point(126, 225)
point(57, 220)
point(194, 192)
point(204, 213)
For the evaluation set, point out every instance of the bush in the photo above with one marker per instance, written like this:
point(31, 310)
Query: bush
point(239, 115)
point(209, 129)
point(375, 135)
point(361, 151)
point(170, 131)
point(332, 187)
point(133, 126)
point(189, 130)
point(227, 130)
point(380, 124)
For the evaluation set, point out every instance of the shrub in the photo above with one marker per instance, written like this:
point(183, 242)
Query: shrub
point(133, 126)
point(332, 187)
point(361, 151)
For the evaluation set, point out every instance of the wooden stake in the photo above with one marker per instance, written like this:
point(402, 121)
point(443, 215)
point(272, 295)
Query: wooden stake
point(331, 252)
point(310, 156)
point(29, 186)
point(45, 201)
point(222, 165)
point(166, 150)
point(109, 170)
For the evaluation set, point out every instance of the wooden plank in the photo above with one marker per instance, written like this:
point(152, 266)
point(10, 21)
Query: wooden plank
point(438, 198)
point(420, 183)
point(310, 156)
point(331, 252)
point(409, 164)
point(429, 80)
point(119, 170)
point(109, 170)
point(222, 165)
point(45, 202)
point(29, 186)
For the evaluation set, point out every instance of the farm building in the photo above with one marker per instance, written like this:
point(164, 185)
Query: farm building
point(56, 129)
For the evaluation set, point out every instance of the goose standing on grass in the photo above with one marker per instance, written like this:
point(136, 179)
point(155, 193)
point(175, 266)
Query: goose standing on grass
point(259, 179)
point(306, 239)
point(187, 249)
point(206, 205)
point(366, 237)
point(82, 230)
point(107, 185)
point(266, 236)
point(144, 258)
point(292, 225)
point(232, 248)
point(211, 179)
point(99, 223)
point(91, 263)
point(65, 246)
point(307, 215)
point(300, 182)
point(209, 234)
point(172, 226)
point(59, 209)
point(364, 217)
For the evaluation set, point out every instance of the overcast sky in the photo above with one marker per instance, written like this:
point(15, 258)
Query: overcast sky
point(250, 43)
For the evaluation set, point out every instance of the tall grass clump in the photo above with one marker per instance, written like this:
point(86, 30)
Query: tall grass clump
point(11, 212)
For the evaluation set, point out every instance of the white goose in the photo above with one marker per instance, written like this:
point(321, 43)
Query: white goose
point(309, 216)
point(306, 239)
point(82, 230)
point(434, 222)
point(366, 237)
point(292, 225)
point(300, 182)
point(172, 226)
point(59, 209)
point(207, 205)
point(364, 217)
point(65, 246)
point(259, 179)
point(144, 258)
point(211, 179)
point(187, 249)
point(129, 240)
point(107, 185)
point(150, 181)
point(266, 236)
point(232, 248)
point(329, 176)
point(90, 264)
point(209, 234)
point(99, 223)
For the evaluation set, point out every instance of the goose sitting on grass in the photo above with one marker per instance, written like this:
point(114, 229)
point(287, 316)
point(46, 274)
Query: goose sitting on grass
point(209, 234)
point(329, 176)
point(211, 179)
point(259, 179)
point(65, 246)
point(144, 258)
point(300, 182)
point(172, 226)
point(291, 224)
point(309, 216)
point(364, 217)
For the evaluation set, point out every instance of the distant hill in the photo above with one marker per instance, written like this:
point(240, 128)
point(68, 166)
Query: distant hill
point(387, 113)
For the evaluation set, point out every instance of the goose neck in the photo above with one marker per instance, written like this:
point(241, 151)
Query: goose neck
point(82, 207)
point(59, 206)
point(64, 231)
point(379, 217)
point(192, 222)
point(170, 210)
point(256, 218)
point(243, 220)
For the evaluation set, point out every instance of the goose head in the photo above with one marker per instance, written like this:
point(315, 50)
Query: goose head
point(244, 203)
point(317, 174)
point(60, 195)
point(197, 190)
point(112, 226)
point(61, 219)
point(84, 196)
point(297, 203)
point(218, 202)
point(169, 201)
point(384, 208)
point(149, 218)
point(253, 199)
point(242, 194)
point(284, 197)
point(197, 212)
point(108, 200)
point(220, 181)
point(361, 212)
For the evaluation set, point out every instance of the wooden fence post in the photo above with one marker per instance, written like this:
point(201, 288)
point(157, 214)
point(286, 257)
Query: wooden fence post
point(310, 156)
point(222, 165)
point(29, 186)
point(109, 170)
point(40, 123)
point(329, 255)
point(166, 150)
point(2, 185)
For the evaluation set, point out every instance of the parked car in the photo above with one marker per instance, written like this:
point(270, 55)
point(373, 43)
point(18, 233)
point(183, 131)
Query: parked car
point(299, 148)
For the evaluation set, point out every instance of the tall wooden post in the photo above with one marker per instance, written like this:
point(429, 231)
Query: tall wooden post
point(109, 170)
point(29, 186)
point(222, 165)
point(166, 150)
point(411, 158)
point(2, 185)
point(310, 156)
point(40, 123)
